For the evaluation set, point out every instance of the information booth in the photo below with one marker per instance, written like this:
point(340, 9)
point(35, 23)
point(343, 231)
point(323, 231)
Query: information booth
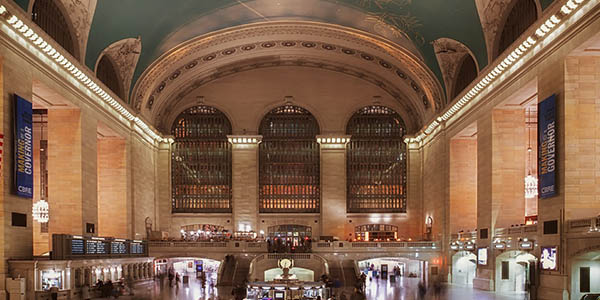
point(286, 290)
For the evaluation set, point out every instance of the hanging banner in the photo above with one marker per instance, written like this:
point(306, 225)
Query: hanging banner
point(547, 147)
point(23, 149)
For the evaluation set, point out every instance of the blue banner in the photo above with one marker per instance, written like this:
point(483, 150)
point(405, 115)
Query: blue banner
point(23, 148)
point(547, 147)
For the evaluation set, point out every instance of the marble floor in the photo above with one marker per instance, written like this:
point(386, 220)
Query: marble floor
point(405, 289)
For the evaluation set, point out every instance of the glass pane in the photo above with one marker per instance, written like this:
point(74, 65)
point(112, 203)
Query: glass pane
point(376, 161)
point(201, 161)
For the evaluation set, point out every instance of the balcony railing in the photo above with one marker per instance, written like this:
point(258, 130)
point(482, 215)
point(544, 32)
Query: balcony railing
point(246, 246)
point(584, 225)
point(517, 230)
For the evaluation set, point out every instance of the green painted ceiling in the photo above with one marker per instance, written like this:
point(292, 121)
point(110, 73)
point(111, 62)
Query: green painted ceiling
point(156, 20)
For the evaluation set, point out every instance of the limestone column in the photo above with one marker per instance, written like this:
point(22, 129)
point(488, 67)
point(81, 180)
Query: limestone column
point(333, 183)
point(72, 172)
point(164, 187)
point(501, 157)
point(114, 215)
point(570, 116)
point(244, 158)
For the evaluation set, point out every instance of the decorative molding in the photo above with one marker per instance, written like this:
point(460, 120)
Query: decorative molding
point(124, 54)
point(333, 139)
point(80, 14)
point(450, 53)
point(493, 14)
point(206, 50)
point(245, 139)
point(172, 101)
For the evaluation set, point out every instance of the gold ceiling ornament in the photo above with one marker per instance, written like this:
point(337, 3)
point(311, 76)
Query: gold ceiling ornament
point(383, 3)
point(400, 26)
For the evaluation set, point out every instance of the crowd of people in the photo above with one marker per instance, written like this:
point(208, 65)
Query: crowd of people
point(283, 245)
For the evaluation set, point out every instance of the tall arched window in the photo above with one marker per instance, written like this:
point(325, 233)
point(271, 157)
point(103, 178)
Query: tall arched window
point(201, 161)
point(466, 74)
point(49, 17)
point(108, 75)
point(376, 161)
point(522, 15)
point(289, 162)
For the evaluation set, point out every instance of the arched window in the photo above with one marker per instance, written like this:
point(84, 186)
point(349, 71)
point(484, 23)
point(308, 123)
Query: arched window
point(289, 162)
point(108, 75)
point(466, 74)
point(376, 161)
point(201, 161)
point(48, 16)
point(522, 15)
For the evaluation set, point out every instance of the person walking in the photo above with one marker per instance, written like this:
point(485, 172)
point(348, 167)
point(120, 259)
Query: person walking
point(177, 279)
point(171, 277)
point(422, 290)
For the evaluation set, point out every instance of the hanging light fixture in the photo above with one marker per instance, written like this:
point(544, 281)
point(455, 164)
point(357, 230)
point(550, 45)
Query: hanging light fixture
point(40, 211)
point(531, 182)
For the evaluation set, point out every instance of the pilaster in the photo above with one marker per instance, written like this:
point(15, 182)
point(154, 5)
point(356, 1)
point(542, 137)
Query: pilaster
point(333, 183)
point(244, 164)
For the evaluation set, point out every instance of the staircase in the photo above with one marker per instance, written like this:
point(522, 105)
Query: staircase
point(242, 268)
point(335, 271)
point(227, 272)
point(349, 270)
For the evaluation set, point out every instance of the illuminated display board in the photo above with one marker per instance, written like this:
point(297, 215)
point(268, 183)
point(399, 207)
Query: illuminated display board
point(66, 246)
point(118, 247)
point(548, 259)
point(77, 247)
point(482, 254)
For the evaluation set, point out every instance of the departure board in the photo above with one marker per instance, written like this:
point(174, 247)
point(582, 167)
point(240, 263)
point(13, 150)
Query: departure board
point(77, 247)
point(137, 248)
point(96, 247)
point(118, 248)
point(66, 246)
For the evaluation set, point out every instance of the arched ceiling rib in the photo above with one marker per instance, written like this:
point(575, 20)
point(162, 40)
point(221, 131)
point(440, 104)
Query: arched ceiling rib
point(396, 70)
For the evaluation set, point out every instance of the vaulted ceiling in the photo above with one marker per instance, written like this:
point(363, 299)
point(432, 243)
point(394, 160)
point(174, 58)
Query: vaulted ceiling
point(418, 30)
point(164, 24)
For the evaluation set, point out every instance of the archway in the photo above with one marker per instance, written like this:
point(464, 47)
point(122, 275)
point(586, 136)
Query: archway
point(585, 269)
point(514, 269)
point(301, 274)
point(464, 268)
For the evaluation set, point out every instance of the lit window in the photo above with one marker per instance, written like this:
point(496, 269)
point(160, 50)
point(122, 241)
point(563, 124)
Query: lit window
point(289, 161)
point(376, 161)
point(201, 161)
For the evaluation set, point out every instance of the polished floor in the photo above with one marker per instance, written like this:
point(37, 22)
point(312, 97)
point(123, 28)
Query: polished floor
point(405, 289)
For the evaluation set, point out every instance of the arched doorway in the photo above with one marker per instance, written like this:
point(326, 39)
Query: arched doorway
point(464, 268)
point(514, 269)
point(585, 269)
point(301, 274)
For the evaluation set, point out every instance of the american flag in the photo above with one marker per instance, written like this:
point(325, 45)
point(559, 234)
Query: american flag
point(1, 151)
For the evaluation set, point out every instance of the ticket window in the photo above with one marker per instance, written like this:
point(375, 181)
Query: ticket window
point(52, 278)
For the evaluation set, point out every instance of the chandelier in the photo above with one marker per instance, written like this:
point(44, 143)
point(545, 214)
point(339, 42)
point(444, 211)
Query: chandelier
point(531, 186)
point(531, 182)
point(40, 211)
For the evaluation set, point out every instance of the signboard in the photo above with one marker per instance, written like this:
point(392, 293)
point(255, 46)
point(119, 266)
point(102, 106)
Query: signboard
point(547, 147)
point(96, 247)
point(548, 259)
point(77, 247)
point(482, 256)
point(137, 248)
point(66, 246)
point(23, 140)
point(118, 248)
